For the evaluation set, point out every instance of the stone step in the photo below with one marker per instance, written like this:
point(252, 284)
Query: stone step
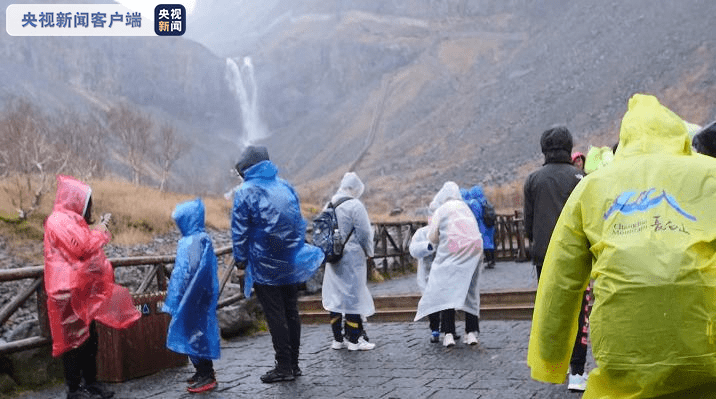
point(487, 312)
point(505, 297)
point(494, 305)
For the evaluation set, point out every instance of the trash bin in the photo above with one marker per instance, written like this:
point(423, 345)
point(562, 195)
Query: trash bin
point(141, 349)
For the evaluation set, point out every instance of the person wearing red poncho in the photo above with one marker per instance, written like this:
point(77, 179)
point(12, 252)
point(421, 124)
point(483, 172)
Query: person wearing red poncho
point(79, 281)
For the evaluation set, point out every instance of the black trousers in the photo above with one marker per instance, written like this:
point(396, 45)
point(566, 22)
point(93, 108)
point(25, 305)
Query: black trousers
point(434, 319)
point(280, 305)
point(489, 256)
point(447, 317)
point(353, 326)
point(81, 362)
point(579, 352)
point(204, 367)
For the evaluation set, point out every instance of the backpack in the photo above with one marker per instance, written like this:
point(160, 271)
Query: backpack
point(488, 214)
point(326, 234)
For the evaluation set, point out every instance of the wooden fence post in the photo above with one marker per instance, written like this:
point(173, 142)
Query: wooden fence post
point(42, 317)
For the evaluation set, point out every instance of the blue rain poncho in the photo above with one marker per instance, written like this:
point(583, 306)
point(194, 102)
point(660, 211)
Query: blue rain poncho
point(268, 231)
point(642, 227)
point(193, 287)
point(474, 198)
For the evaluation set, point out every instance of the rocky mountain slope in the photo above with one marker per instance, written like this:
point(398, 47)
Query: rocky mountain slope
point(406, 93)
point(410, 94)
point(174, 80)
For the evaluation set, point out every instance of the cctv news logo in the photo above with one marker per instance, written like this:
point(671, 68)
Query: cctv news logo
point(169, 20)
point(94, 20)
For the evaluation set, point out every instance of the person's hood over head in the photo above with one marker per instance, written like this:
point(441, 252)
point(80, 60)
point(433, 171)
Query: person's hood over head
point(557, 144)
point(250, 157)
point(189, 217)
point(449, 191)
point(598, 157)
point(578, 154)
point(650, 128)
point(692, 129)
point(351, 186)
point(72, 195)
point(465, 194)
point(704, 141)
point(477, 193)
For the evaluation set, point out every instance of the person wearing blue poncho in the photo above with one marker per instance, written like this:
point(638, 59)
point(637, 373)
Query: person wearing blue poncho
point(192, 296)
point(475, 198)
point(268, 234)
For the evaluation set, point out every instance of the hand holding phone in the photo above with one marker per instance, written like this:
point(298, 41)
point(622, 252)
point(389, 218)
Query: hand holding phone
point(104, 219)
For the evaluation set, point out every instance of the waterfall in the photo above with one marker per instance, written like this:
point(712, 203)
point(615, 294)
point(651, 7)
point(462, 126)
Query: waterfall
point(246, 92)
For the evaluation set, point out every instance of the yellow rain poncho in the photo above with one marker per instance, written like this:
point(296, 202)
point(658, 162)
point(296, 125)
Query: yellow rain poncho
point(598, 157)
point(644, 228)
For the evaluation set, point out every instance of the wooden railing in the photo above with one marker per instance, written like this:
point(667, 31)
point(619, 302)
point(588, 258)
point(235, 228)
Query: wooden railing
point(391, 255)
point(510, 240)
point(392, 241)
point(155, 278)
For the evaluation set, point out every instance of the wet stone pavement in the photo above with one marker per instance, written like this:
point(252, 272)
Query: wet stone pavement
point(404, 363)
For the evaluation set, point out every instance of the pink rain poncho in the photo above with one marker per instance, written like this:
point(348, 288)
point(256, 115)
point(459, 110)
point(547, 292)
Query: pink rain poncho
point(79, 279)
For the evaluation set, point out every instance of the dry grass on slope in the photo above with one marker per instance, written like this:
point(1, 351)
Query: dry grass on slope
point(138, 214)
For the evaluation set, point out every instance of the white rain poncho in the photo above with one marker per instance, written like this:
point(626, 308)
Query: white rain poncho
point(643, 228)
point(454, 274)
point(345, 285)
point(422, 250)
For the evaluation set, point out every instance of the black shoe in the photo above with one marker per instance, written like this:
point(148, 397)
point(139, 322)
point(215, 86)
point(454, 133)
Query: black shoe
point(277, 376)
point(99, 390)
point(434, 337)
point(297, 371)
point(194, 378)
point(191, 380)
point(203, 383)
point(82, 393)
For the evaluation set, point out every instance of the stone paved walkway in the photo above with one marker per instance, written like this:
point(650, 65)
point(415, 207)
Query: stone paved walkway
point(403, 365)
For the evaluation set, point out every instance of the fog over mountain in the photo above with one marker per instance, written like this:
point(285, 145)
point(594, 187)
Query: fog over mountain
point(408, 93)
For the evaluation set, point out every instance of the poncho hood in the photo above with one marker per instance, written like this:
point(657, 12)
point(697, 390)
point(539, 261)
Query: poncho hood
point(262, 170)
point(476, 193)
point(650, 128)
point(189, 217)
point(351, 186)
point(72, 195)
point(449, 191)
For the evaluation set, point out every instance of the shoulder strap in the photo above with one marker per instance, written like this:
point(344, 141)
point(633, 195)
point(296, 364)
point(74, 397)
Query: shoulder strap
point(339, 202)
point(349, 235)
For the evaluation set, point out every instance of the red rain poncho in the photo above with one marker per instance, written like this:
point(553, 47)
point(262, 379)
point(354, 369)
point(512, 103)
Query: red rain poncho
point(79, 279)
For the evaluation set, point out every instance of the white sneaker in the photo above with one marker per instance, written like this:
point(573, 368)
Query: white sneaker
point(577, 382)
point(448, 340)
point(471, 338)
point(361, 345)
point(337, 345)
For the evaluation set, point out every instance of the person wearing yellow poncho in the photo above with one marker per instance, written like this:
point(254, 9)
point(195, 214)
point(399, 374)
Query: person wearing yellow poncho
point(643, 227)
